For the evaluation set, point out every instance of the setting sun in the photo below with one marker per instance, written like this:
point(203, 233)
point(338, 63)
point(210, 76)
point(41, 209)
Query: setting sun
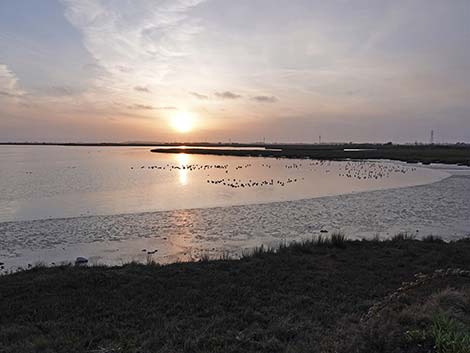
point(182, 122)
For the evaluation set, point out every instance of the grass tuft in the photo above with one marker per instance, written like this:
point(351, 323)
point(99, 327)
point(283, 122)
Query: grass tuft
point(403, 236)
point(449, 335)
point(225, 256)
point(338, 240)
point(204, 258)
point(432, 239)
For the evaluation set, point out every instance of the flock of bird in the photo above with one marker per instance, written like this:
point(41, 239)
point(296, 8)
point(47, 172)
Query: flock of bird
point(367, 170)
point(238, 183)
point(190, 167)
point(360, 170)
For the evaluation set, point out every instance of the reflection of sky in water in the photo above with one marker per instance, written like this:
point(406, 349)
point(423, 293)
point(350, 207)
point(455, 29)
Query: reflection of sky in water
point(39, 182)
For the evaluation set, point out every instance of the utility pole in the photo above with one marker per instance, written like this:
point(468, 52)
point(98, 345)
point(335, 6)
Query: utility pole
point(432, 137)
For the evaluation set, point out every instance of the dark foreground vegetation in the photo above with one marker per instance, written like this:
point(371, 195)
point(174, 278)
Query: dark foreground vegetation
point(448, 154)
point(331, 295)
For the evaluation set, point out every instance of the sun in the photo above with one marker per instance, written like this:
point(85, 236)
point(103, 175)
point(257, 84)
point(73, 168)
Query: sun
point(182, 122)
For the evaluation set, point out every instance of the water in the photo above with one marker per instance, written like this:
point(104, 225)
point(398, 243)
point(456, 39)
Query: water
point(39, 182)
point(112, 203)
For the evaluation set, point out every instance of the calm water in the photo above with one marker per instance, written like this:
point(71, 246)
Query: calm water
point(39, 182)
point(116, 204)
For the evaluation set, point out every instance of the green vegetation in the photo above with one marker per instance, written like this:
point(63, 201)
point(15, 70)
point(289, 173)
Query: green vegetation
point(328, 294)
point(450, 335)
point(429, 318)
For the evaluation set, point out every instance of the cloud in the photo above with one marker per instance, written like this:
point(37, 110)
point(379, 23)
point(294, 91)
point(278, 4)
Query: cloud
point(332, 60)
point(134, 40)
point(199, 96)
point(7, 94)
point(149, 107)
point(265, 99)
point(9, 83)
point(61, 91)
point(227, 95)
point(141, 107)
point(142, 89)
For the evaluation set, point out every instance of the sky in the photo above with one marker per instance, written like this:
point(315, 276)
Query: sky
point(244, 70)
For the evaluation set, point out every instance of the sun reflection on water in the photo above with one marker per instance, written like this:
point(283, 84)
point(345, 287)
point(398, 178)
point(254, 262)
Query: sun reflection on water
point(183, 161)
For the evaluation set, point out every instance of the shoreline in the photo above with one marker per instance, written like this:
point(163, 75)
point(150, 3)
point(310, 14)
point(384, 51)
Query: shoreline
point(146, 236)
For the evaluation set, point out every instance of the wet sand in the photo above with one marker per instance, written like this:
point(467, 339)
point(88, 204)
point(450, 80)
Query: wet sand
point(440, 208)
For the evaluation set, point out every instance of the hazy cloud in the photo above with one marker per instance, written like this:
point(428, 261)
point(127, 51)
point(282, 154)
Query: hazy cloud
point(95, 69)
point(199, 96)
point(227, 95)
point(134, 40)
point(141, 107)
point(61, 91)
point(142, 89)
point(334, 65)
point(7, 94)
point(265, 99)
point(149, 107)
point(9, 83)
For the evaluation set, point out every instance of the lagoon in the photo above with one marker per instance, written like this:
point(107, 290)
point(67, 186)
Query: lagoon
point(117, 204)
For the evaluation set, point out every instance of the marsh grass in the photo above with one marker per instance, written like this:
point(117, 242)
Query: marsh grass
point(375, 239)
point(403, 236)
point(429, 318)
point(444, 335)
point(301, 297)
point(449, 335)
point(151, 261)
point(204, 258)
point(225, 256)
point(307, 246)
point(338, 240)
point(432, 239)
